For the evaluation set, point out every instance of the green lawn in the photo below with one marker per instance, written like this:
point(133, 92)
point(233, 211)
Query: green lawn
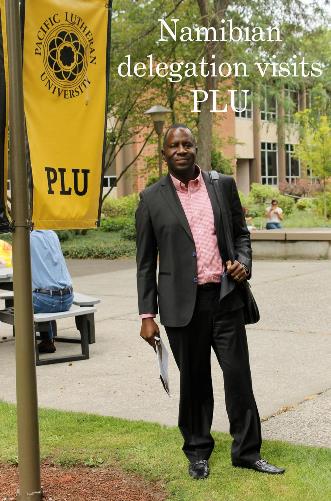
point(153, 451)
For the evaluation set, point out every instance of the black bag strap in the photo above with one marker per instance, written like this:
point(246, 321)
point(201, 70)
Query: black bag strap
point(214, 179)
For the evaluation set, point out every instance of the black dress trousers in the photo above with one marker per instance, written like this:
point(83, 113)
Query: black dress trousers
point(224, 331)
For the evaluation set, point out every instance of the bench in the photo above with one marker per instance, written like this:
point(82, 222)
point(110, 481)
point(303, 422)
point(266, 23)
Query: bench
point(84, 318)
point(8, 297)
point(84, 300)
point(83, 310)
point(82, 315)
point(81, 300)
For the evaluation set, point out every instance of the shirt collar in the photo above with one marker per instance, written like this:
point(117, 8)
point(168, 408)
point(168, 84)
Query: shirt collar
point(194, 184)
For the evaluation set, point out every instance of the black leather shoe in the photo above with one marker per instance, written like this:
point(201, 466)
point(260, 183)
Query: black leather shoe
point(199, 469)
point(46, 346)
point(263, 466)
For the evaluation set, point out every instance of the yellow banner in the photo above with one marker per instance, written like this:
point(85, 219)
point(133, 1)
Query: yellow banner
point(4, 226)
point(66, 47)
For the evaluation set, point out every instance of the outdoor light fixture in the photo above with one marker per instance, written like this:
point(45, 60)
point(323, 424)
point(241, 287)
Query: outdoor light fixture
point(158, 115)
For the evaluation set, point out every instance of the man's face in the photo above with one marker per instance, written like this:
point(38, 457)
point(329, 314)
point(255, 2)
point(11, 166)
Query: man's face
point(179, 150)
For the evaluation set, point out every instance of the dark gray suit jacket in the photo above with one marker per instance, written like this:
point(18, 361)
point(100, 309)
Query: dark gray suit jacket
point(163, 231)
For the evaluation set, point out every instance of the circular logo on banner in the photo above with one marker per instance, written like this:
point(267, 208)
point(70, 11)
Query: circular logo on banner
point(65, 57)
point(65, 45)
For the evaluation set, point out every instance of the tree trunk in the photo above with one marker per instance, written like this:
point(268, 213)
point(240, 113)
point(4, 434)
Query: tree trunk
point(209, 17)
point(205, 131)
point(256, 163)
point(281, 138)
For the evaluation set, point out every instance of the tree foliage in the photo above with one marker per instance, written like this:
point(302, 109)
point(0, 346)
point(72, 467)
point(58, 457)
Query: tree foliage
point(314, 148)
point(300, 24)
point(135, 31)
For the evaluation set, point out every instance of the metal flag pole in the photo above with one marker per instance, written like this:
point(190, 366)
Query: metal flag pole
point(26, 384)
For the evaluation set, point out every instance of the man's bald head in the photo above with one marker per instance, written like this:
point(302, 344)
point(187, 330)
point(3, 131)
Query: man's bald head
point(177, 126)
point(179, 151)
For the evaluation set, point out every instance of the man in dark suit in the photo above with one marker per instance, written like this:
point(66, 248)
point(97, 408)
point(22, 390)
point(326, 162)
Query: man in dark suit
point(180, 221)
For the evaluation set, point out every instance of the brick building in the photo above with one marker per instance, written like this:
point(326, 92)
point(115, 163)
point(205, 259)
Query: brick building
point(259, 141)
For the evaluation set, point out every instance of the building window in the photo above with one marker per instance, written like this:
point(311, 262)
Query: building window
point(313, 179)
point(291, 104)
point(292, 165)
point(268, 104)
point(240, 105)
point(109, 181)
point(269, 163)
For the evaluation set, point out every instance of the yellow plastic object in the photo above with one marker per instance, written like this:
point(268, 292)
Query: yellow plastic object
point(5, 254)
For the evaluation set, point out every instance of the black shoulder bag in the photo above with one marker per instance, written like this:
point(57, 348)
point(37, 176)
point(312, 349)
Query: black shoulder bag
point(251, 310)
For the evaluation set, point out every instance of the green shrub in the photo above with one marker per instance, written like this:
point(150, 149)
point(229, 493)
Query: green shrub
point(123, 206)
point(244, 199)
point(260, 197)
point(305, 203)
point(256, 210)
point(262, 193)
point(221, 163)
point(81, 232)
point(153, 178)
point(115, 223)
point(129, 231)
point(286, 203)
point(65, 235)
point(118, 249)
point(7, 237)
point(319, 204)
point(305, 219)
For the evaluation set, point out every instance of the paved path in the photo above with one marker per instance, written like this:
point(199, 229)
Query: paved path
point(288, 350)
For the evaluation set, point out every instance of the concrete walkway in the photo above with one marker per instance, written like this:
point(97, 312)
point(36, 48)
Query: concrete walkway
point(288, 350)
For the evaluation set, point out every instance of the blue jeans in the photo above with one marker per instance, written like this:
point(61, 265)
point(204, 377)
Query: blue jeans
point(44, 303)
point(273, 226)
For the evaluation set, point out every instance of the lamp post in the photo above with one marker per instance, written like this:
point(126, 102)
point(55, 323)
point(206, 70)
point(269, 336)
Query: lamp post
point(158, 115)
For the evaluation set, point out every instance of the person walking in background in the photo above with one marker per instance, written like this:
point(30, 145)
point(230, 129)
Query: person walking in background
point(274, 216)
point(51, 282)
point(179, 220)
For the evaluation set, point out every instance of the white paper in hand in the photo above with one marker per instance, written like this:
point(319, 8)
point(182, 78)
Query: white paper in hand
point(162, 357)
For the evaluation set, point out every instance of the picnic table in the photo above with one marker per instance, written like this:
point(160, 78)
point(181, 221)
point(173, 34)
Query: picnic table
point(6, 278)
point(82, 310)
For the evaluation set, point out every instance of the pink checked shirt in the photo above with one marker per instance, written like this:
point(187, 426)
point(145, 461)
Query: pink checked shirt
point(199, 214)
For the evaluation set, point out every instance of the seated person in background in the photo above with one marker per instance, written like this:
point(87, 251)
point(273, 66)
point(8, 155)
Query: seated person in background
point(274, 216)
point(51, 283)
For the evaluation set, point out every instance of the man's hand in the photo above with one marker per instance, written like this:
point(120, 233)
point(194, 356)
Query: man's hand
point(236, 271)
point(149, 329)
